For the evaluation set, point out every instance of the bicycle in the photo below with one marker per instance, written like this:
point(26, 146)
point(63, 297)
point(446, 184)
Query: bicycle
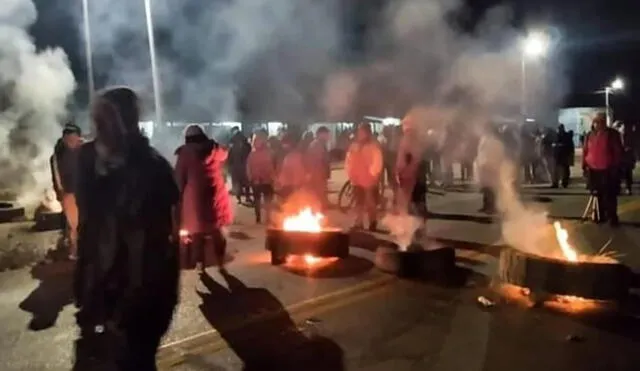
point(347, 200)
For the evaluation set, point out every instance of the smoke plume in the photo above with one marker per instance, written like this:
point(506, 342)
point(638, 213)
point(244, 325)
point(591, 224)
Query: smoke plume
point(299, 61)
point(34, 87)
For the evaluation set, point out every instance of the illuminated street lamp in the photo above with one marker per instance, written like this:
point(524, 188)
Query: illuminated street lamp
point(154, 66)
point(616, 85)
point(87, 48)
point(534, 46)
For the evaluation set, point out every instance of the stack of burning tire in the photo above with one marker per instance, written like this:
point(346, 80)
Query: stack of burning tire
point(569, 282)
point(304, 236)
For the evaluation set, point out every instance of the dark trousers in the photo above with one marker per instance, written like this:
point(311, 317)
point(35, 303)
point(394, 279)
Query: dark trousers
point(466, 169)
point(627, 177)
point(262, 195)
point(561, 174)
point(419, 199)
point(366, 202)
point(529, 171)
point(488, 199)
point(605, 184)
point(207, 249)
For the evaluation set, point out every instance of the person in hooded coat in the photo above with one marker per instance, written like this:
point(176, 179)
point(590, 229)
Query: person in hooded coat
point(126, 277)
point(205, 208)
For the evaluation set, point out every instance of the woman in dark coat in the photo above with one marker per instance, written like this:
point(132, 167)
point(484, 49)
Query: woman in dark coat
point(204, 208)
point(126, 278)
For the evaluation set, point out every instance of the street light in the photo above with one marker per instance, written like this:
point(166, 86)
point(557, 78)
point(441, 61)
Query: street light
point(87, 48)
point(616, 85)
point(154, 67)
point(534, 46)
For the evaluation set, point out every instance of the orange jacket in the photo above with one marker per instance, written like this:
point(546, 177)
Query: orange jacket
point(363, 163)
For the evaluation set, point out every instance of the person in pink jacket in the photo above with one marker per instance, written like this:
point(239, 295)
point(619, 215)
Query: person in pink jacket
point(292, 175)
point(261, 174)
point(363, 164)
point(319, 165)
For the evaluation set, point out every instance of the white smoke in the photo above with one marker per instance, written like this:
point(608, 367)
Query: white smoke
point(300, 60)
point(34, 88)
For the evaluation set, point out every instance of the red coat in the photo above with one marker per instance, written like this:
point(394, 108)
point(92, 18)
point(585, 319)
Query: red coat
point(204, 201)
point(603, 150)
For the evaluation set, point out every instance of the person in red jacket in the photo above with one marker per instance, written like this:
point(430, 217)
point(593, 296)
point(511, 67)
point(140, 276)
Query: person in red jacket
point(204, 200)
point(602, 158)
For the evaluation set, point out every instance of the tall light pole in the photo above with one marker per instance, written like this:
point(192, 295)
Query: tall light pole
point(534, 46)
point(157, 95)
point(88, 49)
point(616, 85)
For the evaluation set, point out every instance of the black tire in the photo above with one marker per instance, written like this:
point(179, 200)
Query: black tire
point(10, 212)
point(346, 200)
point(599, 281)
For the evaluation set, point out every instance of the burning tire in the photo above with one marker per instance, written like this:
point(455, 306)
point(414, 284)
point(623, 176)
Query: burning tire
point(10, 212)
point(583, 279)
point(323, 244)
point(416, 263)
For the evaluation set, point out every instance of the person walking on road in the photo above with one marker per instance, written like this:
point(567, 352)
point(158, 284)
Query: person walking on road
point(202, 218)
point(126, 277)
point(563, 149)
point(628, 157)
point(261, 174)
point(602, 159)
point(238, 153)
point(64, 168)
point(363, 165)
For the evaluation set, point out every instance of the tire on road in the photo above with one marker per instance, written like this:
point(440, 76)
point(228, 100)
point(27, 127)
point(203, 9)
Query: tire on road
point(9, 212)
point(49, 221)
point(438, 264)
point(327, 243)
point(589, 280)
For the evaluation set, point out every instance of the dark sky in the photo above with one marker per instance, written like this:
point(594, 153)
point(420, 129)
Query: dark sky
point(601, 39)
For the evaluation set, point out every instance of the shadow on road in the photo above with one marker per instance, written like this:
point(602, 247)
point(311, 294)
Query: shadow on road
point(341, 268)
point(269, 339)
point(54, 292)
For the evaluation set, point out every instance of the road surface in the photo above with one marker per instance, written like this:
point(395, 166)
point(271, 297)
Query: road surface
point(350, 316)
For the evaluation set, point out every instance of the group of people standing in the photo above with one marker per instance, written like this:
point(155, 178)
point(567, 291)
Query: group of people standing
point(264, 167)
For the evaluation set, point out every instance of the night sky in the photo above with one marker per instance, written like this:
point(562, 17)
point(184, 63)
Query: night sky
point(601, 39)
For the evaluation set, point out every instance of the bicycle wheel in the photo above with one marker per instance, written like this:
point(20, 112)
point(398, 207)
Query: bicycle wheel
point(345, 197)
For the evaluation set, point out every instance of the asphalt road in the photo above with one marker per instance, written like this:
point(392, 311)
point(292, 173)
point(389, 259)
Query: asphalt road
point(361, 319)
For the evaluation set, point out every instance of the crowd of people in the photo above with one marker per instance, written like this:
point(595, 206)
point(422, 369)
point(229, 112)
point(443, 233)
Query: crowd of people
point(134, 221)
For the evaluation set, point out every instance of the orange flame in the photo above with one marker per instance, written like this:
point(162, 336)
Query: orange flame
point(562, 235)
point(305, 221)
